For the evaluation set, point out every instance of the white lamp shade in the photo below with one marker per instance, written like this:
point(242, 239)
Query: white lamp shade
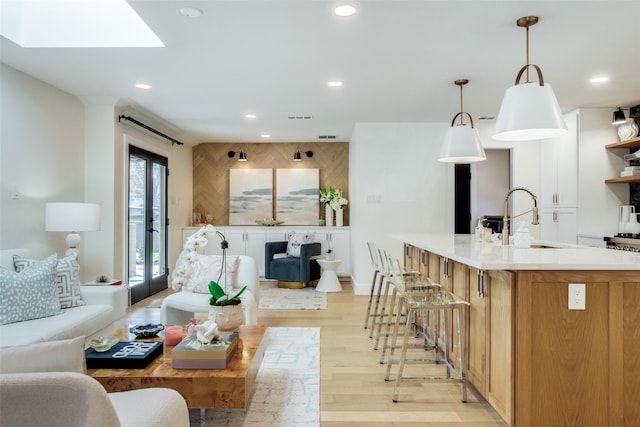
point(72, 217)
point(529, 111)
point(461, 145)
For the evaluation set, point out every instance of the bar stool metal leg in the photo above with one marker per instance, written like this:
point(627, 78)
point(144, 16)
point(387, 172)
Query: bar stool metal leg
point(394, 338)
point(376, 271)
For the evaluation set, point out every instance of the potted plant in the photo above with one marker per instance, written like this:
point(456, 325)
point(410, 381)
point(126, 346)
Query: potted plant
point(225, 310)
point(220, 298)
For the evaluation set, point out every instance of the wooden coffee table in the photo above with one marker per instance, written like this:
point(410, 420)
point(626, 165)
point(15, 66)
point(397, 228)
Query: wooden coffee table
point(201, 388)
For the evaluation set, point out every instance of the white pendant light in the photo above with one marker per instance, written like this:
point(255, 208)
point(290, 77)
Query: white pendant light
point(461, 143)
point(529, 110)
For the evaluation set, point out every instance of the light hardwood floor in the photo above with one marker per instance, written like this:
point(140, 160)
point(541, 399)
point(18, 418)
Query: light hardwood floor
point(352, 387)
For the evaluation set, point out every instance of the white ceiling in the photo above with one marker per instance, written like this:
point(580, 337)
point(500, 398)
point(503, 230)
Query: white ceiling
point(397, 59)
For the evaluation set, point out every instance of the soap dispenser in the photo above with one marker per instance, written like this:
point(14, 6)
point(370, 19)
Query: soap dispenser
point(522, 239)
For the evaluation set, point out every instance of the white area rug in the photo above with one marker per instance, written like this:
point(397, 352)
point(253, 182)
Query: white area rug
point(287, 388)
point(274, 298)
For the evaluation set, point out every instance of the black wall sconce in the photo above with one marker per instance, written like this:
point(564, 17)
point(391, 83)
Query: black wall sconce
point(241, 158)
point(297, 156)
point(618, 117)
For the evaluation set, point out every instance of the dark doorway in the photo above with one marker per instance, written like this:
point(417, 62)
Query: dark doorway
point(462, 205)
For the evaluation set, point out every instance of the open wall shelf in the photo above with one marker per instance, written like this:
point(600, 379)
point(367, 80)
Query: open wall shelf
point(630, 143)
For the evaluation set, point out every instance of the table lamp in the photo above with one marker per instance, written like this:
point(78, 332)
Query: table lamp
point(72, 217)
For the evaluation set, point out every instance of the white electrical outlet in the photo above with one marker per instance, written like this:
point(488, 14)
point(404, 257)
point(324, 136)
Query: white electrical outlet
point(577, 296)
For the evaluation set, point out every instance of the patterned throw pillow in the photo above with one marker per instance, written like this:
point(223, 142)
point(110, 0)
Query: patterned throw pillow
point(30, 294)
point(297, 239)
point(66, 278)
point(207, 268)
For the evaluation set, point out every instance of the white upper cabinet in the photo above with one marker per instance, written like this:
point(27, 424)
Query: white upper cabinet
point(559, 167)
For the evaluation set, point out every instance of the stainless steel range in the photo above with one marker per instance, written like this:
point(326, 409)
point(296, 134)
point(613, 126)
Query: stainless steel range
point(624, 242)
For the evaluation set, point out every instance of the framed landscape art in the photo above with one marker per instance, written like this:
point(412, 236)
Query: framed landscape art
point(250, 195)
point(297, 196)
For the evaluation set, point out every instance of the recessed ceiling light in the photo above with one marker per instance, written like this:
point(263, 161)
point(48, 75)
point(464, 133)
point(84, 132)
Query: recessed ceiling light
point(265, 135)
point(600, 79)
point(250, 116)
point(143, 86)
point(191, 12)
point(335, 83)
point(345, 10)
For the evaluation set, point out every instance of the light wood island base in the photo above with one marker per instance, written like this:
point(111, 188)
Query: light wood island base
point(201, 388)
point(536, 361)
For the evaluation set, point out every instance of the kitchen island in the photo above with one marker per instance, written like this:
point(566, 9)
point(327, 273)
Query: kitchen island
point(537, 362)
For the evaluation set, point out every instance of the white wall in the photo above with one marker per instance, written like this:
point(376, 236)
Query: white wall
point(99, 250)
point(396, 185)
point(42, 158)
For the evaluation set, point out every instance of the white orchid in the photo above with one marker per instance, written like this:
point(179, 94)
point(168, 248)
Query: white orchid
point(195, 242)
point(189, 256)
point(206, 231)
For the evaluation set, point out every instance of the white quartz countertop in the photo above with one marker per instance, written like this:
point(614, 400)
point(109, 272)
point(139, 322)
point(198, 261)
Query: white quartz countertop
point(485, 255)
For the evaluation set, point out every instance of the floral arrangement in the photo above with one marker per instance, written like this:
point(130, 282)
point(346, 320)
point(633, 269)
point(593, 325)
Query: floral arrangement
point(184, 266)
point(333, 197)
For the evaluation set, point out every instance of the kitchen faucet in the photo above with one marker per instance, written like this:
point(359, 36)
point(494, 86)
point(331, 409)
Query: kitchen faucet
point(506, 218)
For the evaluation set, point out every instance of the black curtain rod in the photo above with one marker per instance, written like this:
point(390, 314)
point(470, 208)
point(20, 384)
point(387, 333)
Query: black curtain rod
point(132, 120)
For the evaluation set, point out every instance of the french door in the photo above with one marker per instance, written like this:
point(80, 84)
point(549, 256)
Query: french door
point(148, 223)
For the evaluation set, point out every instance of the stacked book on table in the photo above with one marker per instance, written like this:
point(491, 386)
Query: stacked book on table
point(192, 354)
point(630, 171)
point(124, 355)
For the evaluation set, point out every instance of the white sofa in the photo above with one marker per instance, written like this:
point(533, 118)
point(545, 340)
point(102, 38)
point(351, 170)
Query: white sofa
point(105, 307)
point(179, 308)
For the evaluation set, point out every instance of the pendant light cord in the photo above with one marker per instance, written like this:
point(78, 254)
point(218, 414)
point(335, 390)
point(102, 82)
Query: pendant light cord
point(527, 50)
point(461, 82)
point(461, 109)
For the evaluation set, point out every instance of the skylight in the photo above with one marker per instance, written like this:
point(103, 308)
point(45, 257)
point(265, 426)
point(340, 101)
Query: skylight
point(74, 23)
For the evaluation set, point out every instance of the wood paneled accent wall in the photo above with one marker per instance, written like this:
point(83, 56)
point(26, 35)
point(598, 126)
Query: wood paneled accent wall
point(211, 170)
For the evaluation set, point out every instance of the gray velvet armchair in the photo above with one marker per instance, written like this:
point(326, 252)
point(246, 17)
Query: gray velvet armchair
point(291, 272)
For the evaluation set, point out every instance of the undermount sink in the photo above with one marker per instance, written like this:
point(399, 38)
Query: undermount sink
point(543, 246)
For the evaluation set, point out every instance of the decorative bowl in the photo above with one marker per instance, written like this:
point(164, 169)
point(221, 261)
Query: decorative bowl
point(146, 331)
point(102, 344)
point(269, 222)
